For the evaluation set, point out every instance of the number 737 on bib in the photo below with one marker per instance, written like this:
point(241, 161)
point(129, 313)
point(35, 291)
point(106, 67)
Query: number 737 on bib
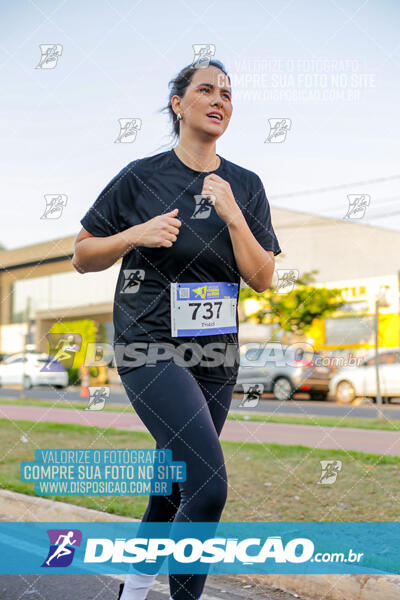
point(206, 308)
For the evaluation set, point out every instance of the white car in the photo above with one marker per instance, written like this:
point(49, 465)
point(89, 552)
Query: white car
point(360, 381)
point(30, 369)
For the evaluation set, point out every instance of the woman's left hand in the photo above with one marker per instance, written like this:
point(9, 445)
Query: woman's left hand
point(222, 197)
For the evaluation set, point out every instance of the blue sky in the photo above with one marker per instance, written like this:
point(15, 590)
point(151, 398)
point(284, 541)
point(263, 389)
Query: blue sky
point(330, 66)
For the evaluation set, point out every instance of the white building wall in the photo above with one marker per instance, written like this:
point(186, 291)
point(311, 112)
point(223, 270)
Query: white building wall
point(12, 337)
point(340, 250)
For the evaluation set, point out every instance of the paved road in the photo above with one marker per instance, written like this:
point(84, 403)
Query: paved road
point(300, 406)
point(104, 587)
point(341, 438)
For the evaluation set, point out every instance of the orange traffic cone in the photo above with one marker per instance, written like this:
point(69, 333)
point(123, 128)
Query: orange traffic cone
point(85, 382)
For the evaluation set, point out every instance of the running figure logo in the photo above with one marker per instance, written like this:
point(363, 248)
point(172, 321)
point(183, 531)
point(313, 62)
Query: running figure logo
point(98, 397)
point(278, 129)
point(50, 54)
point(128, 129)
point(63, 348)
point(251, 394)
point(330, 470)
point(132, 281)
point(61, 551)
point(287, 278)
point(203, 53)
point(357, 206)
point(55, 203)
point(203, 206)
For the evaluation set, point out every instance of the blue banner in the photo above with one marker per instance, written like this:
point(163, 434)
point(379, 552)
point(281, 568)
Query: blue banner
point(254, 548)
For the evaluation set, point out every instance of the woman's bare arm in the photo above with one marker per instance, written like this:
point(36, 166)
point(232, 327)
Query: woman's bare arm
point(98, 253)
point(256, 265)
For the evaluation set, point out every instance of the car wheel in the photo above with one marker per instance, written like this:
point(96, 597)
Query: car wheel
point(345, 392)
point(27, 382)
point(282, 389)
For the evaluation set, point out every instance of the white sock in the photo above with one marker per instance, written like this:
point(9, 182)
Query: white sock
point(136, 586)
point(170, 598)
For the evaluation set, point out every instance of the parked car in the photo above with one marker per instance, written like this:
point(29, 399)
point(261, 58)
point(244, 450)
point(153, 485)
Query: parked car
point(360, 381)
point(30, 370)
point(284, 373)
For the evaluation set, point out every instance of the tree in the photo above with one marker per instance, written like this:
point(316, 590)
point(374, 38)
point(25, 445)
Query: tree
point(295, 311)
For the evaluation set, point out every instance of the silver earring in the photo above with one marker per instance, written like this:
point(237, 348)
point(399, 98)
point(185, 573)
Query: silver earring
point(179, 116)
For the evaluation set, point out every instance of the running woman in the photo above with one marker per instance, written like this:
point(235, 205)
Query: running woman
point(188, 224)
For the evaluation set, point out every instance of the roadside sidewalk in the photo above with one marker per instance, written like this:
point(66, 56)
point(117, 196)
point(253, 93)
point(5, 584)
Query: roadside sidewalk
point(20, 507)
point(362, 440)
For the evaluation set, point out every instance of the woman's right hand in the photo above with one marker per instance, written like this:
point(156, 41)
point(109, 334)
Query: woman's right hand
point(98, 253)
point(159, 232)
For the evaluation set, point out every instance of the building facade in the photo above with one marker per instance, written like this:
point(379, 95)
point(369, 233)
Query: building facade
point(40, 287)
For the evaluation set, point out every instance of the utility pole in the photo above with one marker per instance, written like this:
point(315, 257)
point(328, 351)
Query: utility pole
point(25, 339)
point(381, 300)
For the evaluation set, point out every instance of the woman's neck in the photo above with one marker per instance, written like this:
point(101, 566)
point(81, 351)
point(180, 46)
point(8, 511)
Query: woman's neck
point(199, 158)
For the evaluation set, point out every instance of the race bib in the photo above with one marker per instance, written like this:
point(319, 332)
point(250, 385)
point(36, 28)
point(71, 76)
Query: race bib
point(206, 308)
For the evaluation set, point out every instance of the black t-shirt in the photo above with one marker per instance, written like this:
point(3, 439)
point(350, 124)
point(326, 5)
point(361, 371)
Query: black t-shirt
point(203, 251)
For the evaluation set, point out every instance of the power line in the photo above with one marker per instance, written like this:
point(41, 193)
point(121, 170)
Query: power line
point(335, 187)
point(375, 201)
point(383, 215)
point(386, 200)
point(328, 221)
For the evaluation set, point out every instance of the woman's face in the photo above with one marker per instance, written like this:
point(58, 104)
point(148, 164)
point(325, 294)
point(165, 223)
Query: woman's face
point(208, 91)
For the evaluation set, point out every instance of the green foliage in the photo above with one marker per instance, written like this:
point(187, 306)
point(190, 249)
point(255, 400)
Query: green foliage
point(296, 310)
point(364, 490)
point(101, 334)
point(74, 376)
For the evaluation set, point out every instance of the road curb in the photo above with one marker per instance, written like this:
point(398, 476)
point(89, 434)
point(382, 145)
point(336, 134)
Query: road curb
point(15, 506)
point(21, 507)
point(335, 587)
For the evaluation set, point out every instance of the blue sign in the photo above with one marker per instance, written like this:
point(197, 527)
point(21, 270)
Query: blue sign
point(182, 547)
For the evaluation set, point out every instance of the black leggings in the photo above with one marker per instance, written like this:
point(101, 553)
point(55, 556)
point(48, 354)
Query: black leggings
point(187, 416)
